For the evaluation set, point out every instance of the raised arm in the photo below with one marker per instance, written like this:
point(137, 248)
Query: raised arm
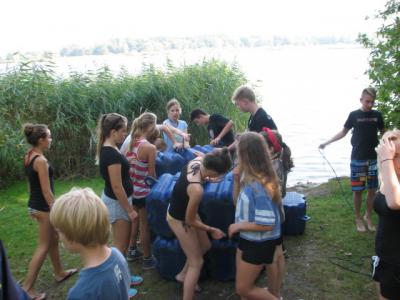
point(169, 130)
point(390, 186)
point(177, 131)
point(341, 134)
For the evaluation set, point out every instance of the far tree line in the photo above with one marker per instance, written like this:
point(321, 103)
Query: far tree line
point(130, 45)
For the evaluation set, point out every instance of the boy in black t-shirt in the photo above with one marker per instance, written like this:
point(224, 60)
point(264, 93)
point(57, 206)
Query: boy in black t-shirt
point(245, 99)
point(365, 123)
point(219, 128)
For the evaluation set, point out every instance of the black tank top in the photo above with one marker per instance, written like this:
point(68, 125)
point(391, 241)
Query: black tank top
point(180, 198)
point(36, 198)
point(387, 240)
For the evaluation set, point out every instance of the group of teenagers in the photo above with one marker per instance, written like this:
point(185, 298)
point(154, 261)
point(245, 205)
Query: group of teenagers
point(82, 220)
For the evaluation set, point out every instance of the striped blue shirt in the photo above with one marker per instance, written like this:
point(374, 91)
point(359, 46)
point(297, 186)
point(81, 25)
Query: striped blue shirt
point(256, 206)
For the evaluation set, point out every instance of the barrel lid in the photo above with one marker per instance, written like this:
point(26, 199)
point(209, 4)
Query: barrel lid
point(293, 199)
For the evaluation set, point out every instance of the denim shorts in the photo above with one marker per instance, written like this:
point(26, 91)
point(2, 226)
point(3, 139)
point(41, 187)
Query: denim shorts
point(115, 210)
point(32, 211)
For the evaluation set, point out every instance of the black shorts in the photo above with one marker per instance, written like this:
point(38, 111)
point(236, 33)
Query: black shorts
point(139, 202)
point(388, 277)
point(257, 253)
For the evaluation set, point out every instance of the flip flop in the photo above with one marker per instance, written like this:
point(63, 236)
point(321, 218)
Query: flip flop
point(132, 293)
point(136, 280)
point(69, 274)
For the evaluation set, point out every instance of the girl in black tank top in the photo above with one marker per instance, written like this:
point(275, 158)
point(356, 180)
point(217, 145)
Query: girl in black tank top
point(387, 206)
point(186, 197)
point(180, 198)
point(37, 200)
point(41, 198)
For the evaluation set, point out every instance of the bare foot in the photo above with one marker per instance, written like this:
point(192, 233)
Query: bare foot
point(180, 279)
point(360, 225)
point(370, 226)
point(35, 295)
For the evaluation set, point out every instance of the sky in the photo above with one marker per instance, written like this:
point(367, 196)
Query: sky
point(27, 25)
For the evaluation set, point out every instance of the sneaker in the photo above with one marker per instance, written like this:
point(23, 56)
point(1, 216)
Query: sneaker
point(149, 263)
point(136, 280)
point(132, 293)
point(133, 254)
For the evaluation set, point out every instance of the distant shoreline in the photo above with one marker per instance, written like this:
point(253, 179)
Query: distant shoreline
point(79, 51)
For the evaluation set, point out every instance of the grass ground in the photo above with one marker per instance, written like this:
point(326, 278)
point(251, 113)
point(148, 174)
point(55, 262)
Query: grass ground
point(330, 261)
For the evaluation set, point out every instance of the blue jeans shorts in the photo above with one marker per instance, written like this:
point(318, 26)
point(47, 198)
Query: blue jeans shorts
point(115, 210)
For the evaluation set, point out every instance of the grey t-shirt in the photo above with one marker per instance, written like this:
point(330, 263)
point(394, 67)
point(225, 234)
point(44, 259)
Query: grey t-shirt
point(110, 280)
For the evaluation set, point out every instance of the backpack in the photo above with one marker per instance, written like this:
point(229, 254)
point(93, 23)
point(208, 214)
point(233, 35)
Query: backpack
point(286, 157)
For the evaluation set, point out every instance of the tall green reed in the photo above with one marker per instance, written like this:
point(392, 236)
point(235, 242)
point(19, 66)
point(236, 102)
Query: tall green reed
point(72, 105)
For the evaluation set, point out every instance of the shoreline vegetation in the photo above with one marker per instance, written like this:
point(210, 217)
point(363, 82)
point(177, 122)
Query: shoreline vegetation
point(330, 261)
point(71, 106)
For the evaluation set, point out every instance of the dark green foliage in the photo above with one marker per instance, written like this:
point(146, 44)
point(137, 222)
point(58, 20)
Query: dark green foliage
point(384, 70)
point(71, 107)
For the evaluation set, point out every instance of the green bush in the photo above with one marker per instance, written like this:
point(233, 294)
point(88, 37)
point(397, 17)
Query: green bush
point(72, 105)
point(384, 62)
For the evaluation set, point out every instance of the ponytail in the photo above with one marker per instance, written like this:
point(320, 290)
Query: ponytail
point(100, 136)
point(105, 124)
point(141, 125)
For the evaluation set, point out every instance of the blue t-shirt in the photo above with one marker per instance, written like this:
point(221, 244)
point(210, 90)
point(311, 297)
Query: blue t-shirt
point(181, 125)
point(110, 280)
point(256, 206)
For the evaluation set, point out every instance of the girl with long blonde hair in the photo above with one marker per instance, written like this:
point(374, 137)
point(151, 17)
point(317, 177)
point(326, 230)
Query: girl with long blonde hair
point(257, 217)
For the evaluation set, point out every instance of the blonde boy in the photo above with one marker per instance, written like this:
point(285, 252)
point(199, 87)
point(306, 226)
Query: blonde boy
point(245, 99)
point(81, 219)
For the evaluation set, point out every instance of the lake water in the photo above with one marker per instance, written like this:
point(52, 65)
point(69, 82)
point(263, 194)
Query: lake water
point(309, 92)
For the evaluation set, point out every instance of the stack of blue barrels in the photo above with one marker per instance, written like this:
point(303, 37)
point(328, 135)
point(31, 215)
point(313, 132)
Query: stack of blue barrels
point(216, 210)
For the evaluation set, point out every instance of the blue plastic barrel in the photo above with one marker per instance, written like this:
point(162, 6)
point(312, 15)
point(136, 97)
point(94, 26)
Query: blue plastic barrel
point(176, 162)
point(162, 163)
point(295, 207)
point(216, 207)
point(205, 149)
point(220, 260)
point(157, 203)
point(208, 148)
point(169, 162)
point(170, 257)
point(187, 154)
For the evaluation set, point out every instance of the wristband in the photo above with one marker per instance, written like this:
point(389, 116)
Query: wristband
point(383, 160)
